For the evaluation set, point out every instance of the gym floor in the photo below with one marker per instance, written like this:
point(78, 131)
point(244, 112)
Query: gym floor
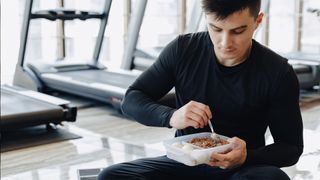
point(109, 138)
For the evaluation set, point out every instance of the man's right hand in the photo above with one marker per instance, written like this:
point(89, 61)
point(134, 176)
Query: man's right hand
point(193, 114)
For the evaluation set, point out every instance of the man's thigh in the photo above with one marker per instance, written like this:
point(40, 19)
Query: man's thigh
point(162, 168)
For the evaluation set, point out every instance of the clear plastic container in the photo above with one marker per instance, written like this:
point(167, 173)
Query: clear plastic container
point(192, 155)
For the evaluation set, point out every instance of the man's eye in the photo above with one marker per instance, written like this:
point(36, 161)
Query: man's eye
point(216, 30)
point(239, 31)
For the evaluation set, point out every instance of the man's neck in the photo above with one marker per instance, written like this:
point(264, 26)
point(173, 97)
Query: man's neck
point(236, 61)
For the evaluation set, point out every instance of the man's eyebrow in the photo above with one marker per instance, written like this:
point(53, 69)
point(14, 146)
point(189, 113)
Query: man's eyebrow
point(240, 27)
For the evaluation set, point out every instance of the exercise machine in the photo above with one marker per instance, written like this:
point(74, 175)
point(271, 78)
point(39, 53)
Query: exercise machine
point(23, 108)
point(89, 79)
point(307, 68)
point(141, 59)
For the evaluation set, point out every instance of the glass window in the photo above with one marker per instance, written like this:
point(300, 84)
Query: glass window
point(160, 24)
point(281, 29)
point(79, 36)
point(11, 19)
point(310, 40)
point(42, 36)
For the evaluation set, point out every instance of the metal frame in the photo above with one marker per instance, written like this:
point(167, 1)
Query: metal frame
point(127, 12)
point(24, 32)
point(135, 26)
point(103, 25)
point(298, 25)
point(133, 34)
point(266, 23)
point(61, 35)
point(195, 18)
point(182, 15)
point(28, 15)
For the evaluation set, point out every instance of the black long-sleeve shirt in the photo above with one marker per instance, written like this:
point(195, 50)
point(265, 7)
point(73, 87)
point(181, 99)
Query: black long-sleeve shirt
point(245, 99)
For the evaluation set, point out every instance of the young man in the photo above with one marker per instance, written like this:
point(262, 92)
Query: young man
point(225, 77)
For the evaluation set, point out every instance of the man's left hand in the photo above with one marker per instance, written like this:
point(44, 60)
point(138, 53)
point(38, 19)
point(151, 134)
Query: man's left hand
point(233, 158)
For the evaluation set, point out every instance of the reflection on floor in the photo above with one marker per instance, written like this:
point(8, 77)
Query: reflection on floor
point(109, 138)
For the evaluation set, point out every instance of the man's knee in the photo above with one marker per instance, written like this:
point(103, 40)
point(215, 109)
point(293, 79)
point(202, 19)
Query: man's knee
point(261, 173)
point(275, 173)
point(107, 173)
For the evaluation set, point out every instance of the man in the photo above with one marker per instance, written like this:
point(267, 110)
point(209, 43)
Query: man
point(225, 77)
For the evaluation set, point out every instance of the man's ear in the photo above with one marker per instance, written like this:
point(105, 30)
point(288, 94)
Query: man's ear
point(259, 19)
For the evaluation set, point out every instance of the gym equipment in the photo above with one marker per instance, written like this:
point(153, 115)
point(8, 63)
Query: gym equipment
point(91, 79)
point(22, 108)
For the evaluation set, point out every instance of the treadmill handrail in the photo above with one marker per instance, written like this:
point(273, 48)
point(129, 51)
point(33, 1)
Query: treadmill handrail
point(302, 56)
point(65, 14)
point(103, 24)
point(133, 34)
point(304, 62)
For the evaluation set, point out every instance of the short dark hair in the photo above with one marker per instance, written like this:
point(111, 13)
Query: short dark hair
point(223, 8)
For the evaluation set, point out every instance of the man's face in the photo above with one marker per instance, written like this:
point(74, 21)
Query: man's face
point(232, 36)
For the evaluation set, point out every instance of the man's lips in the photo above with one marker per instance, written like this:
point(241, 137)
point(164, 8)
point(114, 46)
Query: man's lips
point(227, 50)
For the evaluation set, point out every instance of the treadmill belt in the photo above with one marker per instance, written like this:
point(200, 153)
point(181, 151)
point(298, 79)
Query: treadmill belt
point(101, 76)
point(18, 104)
point(19, 110)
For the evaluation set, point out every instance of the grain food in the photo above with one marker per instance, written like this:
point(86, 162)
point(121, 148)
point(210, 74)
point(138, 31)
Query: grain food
point(207, 142)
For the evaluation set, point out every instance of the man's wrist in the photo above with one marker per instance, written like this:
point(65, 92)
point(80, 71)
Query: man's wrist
point(169, 125)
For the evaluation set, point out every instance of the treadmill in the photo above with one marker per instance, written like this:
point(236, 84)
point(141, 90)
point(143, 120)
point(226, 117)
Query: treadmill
point(139, 59)
point(307, 68)
point(90, 79)
point(24, 108)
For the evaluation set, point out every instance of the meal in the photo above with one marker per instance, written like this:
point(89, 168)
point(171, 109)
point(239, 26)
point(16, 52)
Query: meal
point(207, 142)
point(195, 149)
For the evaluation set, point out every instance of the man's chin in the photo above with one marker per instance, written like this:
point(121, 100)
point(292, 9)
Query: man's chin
point(226, 57)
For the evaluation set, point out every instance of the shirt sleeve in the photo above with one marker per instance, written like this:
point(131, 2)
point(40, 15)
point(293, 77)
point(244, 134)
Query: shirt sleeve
point(285, 124)
point(140, 101)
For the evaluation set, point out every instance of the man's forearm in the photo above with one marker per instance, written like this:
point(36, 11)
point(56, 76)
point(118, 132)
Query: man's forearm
point(145, 110)
point(277, 154)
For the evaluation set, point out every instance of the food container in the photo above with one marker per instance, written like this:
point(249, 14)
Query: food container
point(179, 150)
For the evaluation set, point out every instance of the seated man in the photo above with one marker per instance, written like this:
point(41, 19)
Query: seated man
point(226, 77)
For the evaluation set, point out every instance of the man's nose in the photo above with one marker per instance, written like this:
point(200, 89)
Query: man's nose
point(226, 41)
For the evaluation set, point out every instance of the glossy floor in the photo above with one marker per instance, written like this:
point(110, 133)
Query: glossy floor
point(109, 138)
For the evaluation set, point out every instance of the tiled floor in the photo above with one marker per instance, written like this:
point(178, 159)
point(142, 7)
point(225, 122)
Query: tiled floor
point(109, 138)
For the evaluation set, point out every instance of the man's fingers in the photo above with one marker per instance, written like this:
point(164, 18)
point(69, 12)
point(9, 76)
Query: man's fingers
point(193, 123)
point(233, 140)
point(202, 107)
point(197, 118)
point(220, 157)
point(233, 158)
point(200, 112)
point(221, 164)
point(220, 160)
point(236, 143)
